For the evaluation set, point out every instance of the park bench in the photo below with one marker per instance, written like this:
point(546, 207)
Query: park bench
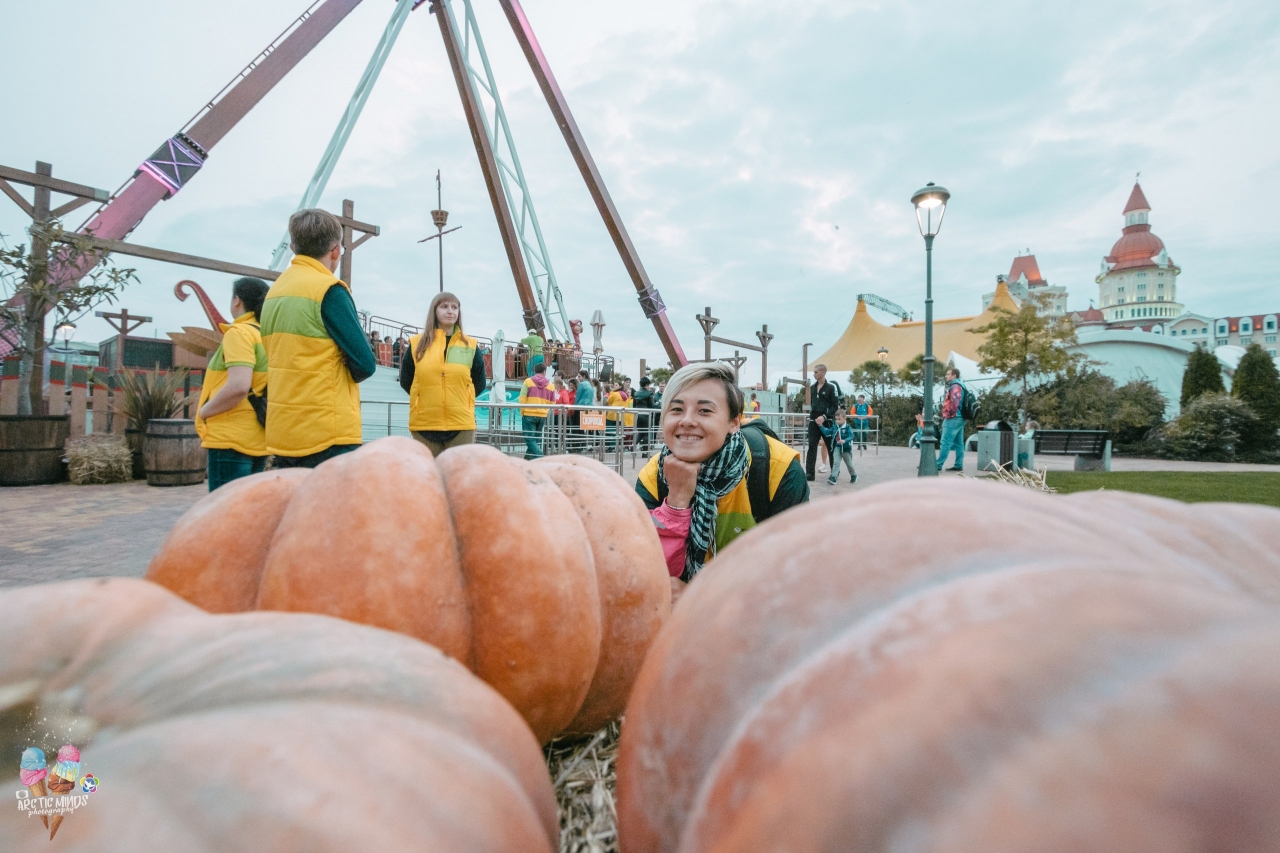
point(1090, 447)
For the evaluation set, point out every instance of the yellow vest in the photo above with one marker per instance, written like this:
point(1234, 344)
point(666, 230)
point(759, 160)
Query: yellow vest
point(237, 429)
point(312, 401)
point(735, 516)
point(442, 397)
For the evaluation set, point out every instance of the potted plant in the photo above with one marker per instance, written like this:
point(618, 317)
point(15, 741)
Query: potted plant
point(60, 272)
point(146, 395)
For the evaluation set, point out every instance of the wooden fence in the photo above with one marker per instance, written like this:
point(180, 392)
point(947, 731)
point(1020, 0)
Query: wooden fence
point(87, 394)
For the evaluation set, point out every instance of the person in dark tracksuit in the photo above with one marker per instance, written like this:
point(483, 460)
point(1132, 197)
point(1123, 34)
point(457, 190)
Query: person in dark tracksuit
point(824, 400)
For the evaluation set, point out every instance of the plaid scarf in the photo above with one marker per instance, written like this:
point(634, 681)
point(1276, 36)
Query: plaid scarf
point(717, 476)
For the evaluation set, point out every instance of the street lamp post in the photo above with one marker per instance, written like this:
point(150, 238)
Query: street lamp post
point(883, 355)
point(930, 203)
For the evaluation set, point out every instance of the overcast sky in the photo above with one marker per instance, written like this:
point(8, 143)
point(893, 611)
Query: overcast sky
point(761, 154)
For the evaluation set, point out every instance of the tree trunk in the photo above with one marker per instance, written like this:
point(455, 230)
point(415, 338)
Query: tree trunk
point(1022, 410)
point(35, 382)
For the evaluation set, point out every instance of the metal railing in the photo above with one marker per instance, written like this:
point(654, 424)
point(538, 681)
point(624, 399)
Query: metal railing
point(628, 433)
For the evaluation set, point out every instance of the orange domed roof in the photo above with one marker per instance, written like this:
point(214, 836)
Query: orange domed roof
point(1136, 248)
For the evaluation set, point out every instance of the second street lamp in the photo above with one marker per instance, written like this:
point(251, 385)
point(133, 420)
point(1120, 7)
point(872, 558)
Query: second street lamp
point(930, 203)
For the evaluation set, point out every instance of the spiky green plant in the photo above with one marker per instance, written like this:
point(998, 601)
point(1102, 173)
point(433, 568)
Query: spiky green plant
point(146, 395)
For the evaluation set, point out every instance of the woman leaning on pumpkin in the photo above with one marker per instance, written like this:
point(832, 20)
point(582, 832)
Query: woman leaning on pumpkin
point(226, 419)
point(442, 373)
point(703, 489)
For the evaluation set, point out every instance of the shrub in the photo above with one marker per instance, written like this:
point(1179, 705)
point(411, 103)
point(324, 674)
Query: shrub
point(1257, 383)
point(1203, 376)
point(1208, 430)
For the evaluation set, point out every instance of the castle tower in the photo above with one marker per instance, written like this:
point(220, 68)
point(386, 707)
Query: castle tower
point(1137, 286)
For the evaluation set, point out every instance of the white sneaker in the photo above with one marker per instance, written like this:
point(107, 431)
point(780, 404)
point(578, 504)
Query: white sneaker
point(823, 468)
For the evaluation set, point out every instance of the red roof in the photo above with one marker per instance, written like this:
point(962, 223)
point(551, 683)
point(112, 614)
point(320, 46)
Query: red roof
point(1137, 201)
point(1135, 249)
point(1026, 264)
point(1089, 317)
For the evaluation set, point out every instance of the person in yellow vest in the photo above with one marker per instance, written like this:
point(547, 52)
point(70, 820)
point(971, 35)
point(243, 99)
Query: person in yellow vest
point(317, 352)
point(225, 418)
point(442, 374)
point(536, 389)
point(715, 478)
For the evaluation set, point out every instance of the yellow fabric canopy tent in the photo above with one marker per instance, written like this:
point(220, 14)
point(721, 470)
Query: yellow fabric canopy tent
point(863, 337)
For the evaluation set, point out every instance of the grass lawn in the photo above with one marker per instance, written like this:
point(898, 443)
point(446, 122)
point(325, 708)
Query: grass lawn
point(1257, 487)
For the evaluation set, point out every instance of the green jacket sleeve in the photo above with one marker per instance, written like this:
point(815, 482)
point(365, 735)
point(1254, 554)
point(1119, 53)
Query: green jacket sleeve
point(338, 311)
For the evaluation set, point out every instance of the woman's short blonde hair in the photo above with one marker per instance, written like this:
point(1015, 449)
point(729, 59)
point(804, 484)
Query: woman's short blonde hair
point(692, 374)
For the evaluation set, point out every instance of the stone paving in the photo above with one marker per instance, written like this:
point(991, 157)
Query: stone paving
point(60, 532)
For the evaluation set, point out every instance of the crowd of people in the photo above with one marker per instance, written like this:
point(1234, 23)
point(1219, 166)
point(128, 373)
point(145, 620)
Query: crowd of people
point(285, 383)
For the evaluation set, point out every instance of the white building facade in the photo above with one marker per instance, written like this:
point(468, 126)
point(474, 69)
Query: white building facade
point(1138, 283)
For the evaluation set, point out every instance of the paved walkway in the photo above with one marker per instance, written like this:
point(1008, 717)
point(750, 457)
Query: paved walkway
point(60, 532)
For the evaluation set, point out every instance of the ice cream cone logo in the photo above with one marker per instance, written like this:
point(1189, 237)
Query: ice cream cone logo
point(47, 789)
point(62, 780)
point(32, 772)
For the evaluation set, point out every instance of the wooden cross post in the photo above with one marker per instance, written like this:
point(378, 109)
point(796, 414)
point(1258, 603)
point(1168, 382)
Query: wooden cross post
point(764, 337)
point(349, 226)
point(708, 324)
point(123, 323)
point(736, 362)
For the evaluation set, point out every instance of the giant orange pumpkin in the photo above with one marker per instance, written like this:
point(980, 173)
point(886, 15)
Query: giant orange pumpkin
point(482, 555)
point(259, 731)
point(989, 669)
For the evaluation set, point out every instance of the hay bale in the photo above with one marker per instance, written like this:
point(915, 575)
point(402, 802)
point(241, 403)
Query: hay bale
point(584, 771)
point(98, 459)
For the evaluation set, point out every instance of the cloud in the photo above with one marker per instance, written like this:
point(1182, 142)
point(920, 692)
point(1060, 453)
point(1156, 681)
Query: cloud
point(733, 136)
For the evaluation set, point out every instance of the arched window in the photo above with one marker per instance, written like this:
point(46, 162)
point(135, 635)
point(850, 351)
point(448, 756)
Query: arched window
point(1246, 326)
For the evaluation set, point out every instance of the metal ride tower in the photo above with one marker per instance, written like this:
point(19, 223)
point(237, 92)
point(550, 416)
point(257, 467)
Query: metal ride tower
point(181, 157)
point(542, 276)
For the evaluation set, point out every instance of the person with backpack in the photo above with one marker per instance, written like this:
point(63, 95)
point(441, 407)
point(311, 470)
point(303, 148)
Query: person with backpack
point(842, 438)
point(234, 383)
point(956, 401)
point(715, 478)
point(862, 413)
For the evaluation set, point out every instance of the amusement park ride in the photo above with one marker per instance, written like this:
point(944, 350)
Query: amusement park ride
point(177, 161)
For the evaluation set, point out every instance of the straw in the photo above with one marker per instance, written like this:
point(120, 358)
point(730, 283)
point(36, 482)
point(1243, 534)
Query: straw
point(95, 459)
point(584, 774)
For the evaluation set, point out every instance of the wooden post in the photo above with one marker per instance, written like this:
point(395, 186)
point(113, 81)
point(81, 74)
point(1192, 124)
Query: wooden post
point(79, 401)
point(126, 323)
point(344, 265)
point(643, 371)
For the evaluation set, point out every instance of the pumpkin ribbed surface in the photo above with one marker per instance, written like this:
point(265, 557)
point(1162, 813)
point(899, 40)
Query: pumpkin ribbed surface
point(261, 731)
point(484, 556)
point(990, 669)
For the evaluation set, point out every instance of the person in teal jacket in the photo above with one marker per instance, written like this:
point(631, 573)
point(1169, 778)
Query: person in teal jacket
point(841, 437)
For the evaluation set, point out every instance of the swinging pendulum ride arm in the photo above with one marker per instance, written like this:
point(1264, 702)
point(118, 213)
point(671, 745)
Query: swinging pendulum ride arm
point(650, 301)
point(488, 166)
point(179, 158)
point(350, 116)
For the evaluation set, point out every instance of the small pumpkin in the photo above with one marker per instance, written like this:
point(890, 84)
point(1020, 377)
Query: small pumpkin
point(1027, 672)
point(260, 731)
point(480, 554)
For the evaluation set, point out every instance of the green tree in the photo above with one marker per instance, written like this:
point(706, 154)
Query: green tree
point(873, 377)
point(661, 374)
point(1257, 383)
point(1203, 376)
point(46, 278)
point(1026, 344)
point(912, 374)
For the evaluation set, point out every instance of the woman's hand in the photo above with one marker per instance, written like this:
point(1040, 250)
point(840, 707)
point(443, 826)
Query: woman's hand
point(682, 479)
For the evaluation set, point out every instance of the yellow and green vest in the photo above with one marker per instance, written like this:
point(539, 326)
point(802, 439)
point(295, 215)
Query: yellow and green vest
point(735, 517)
point(237, 429)
point(312, 401)
point(442, 397)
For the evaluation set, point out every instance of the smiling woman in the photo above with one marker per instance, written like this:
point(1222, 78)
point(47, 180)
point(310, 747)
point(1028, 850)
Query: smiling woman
point(714, 478)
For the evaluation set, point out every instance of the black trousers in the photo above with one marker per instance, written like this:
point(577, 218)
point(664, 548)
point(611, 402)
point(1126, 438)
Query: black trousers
point(815, 436)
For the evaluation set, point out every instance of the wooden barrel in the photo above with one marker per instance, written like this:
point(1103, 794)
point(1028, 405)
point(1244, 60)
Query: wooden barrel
point(31, 449)
point(172, 453)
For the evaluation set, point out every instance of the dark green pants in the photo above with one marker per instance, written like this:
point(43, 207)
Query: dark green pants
point(315, 458)
point(226, 465)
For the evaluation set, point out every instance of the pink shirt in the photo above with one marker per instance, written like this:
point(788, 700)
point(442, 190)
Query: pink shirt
point(673, 533)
